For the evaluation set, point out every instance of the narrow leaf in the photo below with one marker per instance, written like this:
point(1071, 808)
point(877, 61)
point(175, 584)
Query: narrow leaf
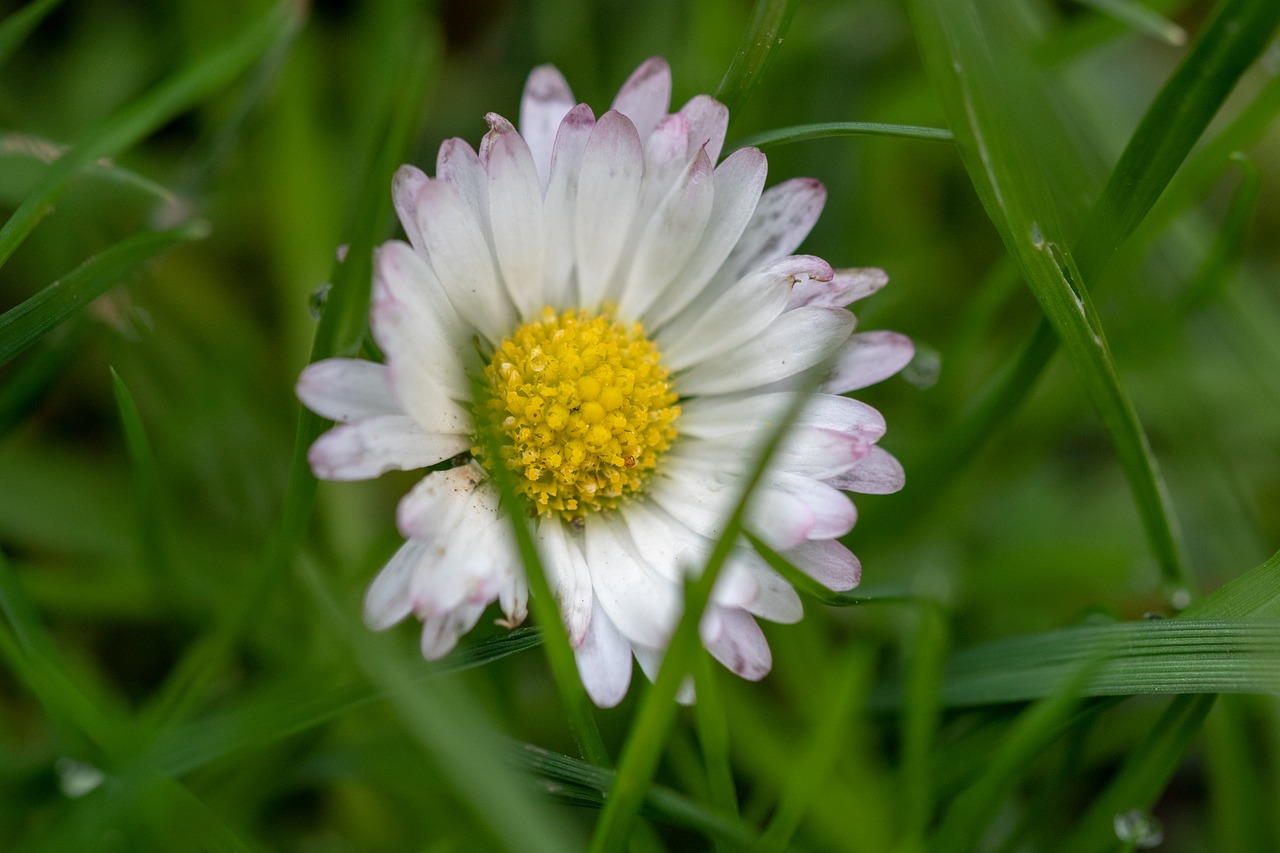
point(832, 129)
point(769, 22)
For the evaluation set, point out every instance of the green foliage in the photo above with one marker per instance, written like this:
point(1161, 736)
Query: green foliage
point(182, 664)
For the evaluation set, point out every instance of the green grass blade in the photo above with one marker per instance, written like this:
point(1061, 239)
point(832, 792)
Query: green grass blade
point(542, 600)
point(825, 743)
point(15, 28)
point(1144, 775)
point(171, 98)
point(769, 22)
point(25, 147)
point(1231, 40)
point(1141, 19)
point(832, 129)
point(713, 735)
point(644, 745)
point(151, 512)
point(585, 785)
point(977, 66)
point(27, 322)
point(921, 716)
point(1253, 595)
point(1199, 655)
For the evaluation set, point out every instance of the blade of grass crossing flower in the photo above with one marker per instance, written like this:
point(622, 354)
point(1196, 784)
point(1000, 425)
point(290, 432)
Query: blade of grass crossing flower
point(975, 63)
point(644, 745)
point(171, 98)
point(920, 719)
point(16, 26)
point(769, 22)
point(564, 669)
point(455, 731)
point(1141, 19)
point(1145, 774)
point(713, 735)
point(831, 129)
point(851, 676)
point(27, 322)
point(1038, 726)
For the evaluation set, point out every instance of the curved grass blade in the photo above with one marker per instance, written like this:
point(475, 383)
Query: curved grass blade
point(832, 129)
point(769, 22)
point(24, 146)
point(25, 323)
point(976, 63)
point(1200, 655)
point(1229, 246)
point(585, 785)
point(564, 668)
point(1253, 595)
point(15, 28)
point(1145, 773)
point(151, 511)
point(1140, 19)
point(159, 106)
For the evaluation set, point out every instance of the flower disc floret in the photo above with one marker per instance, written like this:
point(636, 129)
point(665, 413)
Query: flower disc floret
point(583, 407)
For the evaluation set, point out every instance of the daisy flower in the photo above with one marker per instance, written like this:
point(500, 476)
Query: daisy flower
point(630, 318)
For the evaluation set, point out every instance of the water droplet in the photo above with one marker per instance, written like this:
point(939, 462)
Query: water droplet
point(317, 300)
point(1037, 238)
point(923, 369)
point(75, 778)
point(1180, 598)
point(1138, 828)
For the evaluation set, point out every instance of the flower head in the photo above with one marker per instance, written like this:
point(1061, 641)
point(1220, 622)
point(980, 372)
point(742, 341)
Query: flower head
point(628, 319)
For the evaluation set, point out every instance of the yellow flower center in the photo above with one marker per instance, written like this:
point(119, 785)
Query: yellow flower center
point(584, 409)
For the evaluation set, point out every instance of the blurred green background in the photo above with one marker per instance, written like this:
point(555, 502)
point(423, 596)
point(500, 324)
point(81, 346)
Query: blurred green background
point(183, 664)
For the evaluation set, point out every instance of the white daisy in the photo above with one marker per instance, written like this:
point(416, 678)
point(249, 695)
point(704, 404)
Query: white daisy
point(635, 317)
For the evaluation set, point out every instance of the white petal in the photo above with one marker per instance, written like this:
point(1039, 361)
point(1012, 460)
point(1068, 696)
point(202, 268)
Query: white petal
point(739, 644)
point(604, 661)
point(738, 314)
point(783, 218)
point(708, 120)
point(645, 96)
point(418, 330)
point(608, 194)
point(513, 596)
point(515, 211)
point(665, 544)
point(848, 286)
point(546, 100)
point(721, 417)
point(436, 503)
point(738, 181)
point(777, 601)
point(670, 238)
point(828, 562)
point(387, 601)
point(458, 165)
point(347, 389)
point(406, 185)
point(878, 474)
point(701, 503)
point(643, 606)
point(795, 342)
point(827, 411)
point(440, 633)
point(833, 513)
point(780, 519)
point(561, 204)
point(868, 358)
point(568, 576)
point(459, 255)
point(820, 453)
point(371, 447)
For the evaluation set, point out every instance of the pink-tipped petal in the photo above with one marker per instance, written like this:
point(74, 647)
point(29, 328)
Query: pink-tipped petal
point(847, 287)
point(783, 218)
point(828, 562)
point(546, 100)
point(879, 474)
point(708, 120)
point(737, 642)
point(568, 577)
point(371, 447)
point(406, 184)
point(608, 194)
point(347, 389)
point(387, 601)
point(868, 358)
point(561, 204)
point(645, 96)
point(516, 216)
point(440, 633)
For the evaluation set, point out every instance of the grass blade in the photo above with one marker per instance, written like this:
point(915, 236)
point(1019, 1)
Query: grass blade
point(976, 63)
point(27, 322)
point(171, 98)
point(769, 22)
point(1140, 19)
point(832, 129)
point(150, 507)
point(15, 28)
